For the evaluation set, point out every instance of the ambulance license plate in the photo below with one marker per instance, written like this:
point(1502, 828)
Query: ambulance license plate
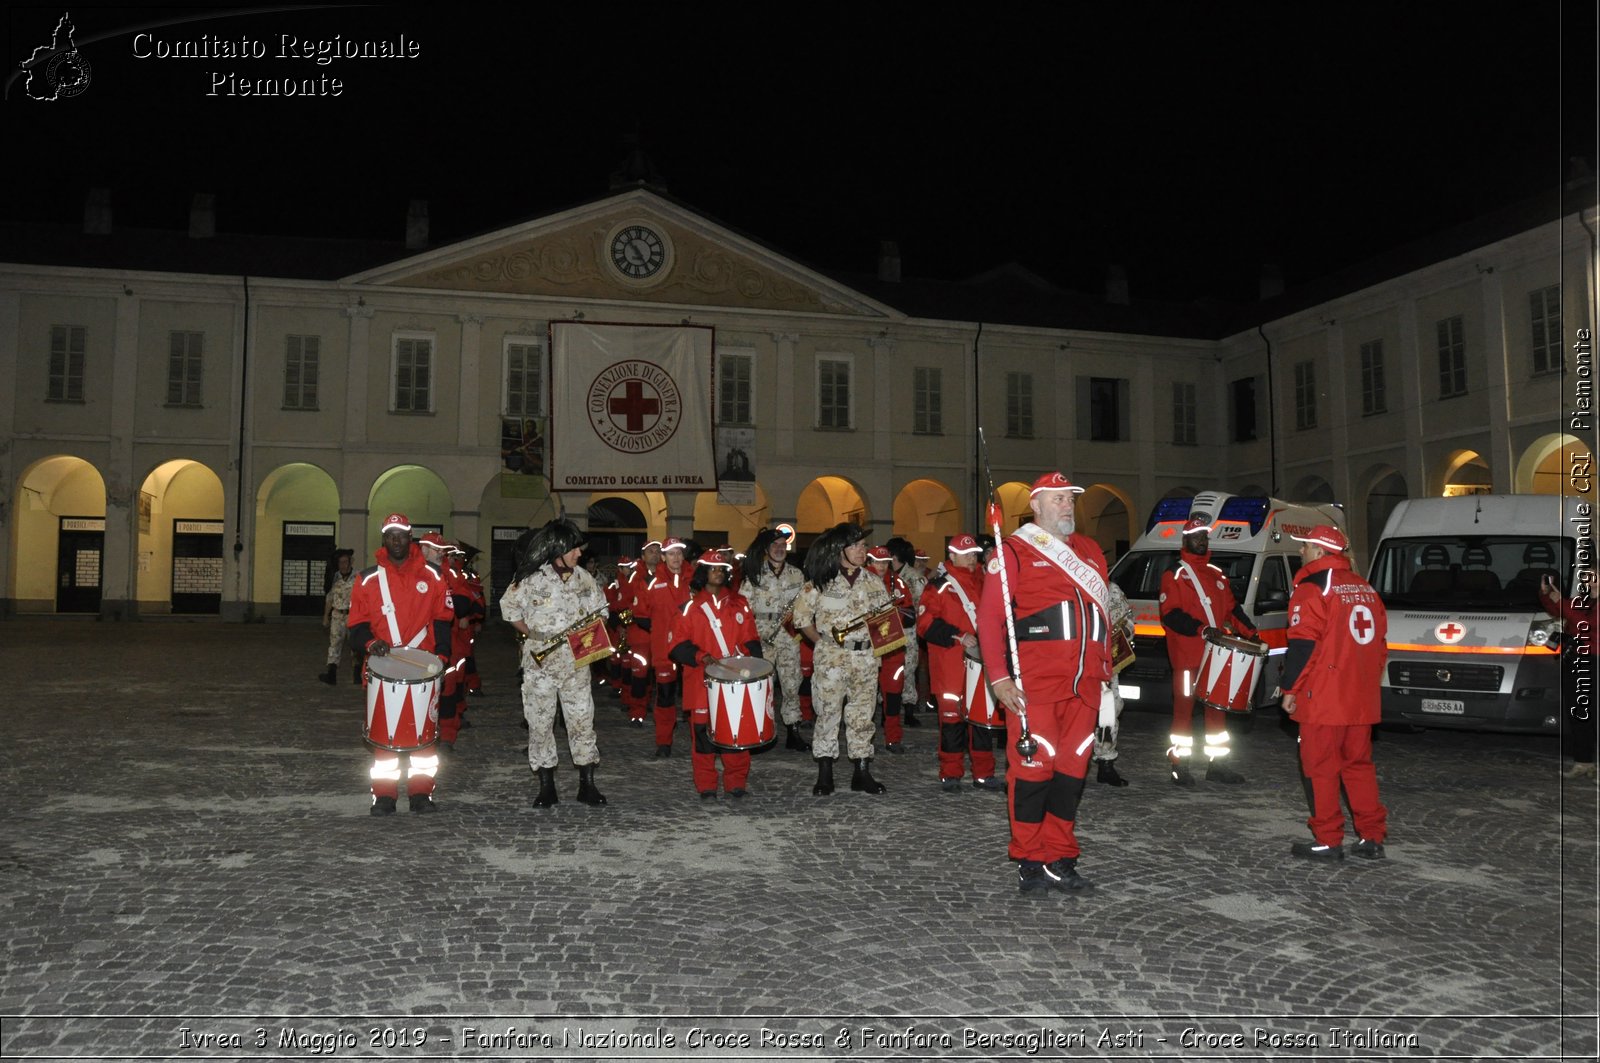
point(1444, 708)
point(1128, 693)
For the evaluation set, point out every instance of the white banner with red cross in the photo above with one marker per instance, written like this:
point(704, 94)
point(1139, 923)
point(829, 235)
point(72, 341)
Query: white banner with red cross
point(631, 407)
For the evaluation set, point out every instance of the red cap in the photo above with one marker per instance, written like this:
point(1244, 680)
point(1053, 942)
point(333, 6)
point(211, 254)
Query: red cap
point(1197, 523)
point(1053, 481)
point(653, 542)
point(1326, 536)
point(626, 562)
point(719, 556)
point(435, 540)
point(920, 556)
point(964, 544)
point(672, 543)
point(880, 553)
point(396, 520)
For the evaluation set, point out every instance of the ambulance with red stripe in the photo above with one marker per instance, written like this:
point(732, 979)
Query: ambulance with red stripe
point(1470, 647)
point(1252, 543)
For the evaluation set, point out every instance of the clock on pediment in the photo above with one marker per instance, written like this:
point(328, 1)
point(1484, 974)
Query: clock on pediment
point(639, 252)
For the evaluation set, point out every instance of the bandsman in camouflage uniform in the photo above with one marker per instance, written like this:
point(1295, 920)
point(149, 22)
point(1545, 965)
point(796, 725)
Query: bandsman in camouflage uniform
point(551, 593)
point(336, 614)
point(840, 594)
point(903, 562)
point(771, 586)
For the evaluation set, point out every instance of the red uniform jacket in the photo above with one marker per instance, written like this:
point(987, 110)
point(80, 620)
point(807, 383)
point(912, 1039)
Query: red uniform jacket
point(694, 641)
point(1053, 669)
point(1338, 632)
point(941, 621)
point(422, 603)
point(665, 597)
point(1183, 615)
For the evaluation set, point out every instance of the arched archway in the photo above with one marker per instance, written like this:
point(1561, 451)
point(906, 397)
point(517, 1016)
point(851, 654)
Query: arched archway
point(1249, 491)
point(509, 505)
point(1014, 511)
point(927, 514)
point(826, 501)
point(58, 537)
point(180, 547)
point(617, 526)
point(1388, 489)
point(1105, 514)
point(414, 490)
point(1311, 489)
point(1557, 464)
point(716, 522)
point(297, 528)
point(1466, 473)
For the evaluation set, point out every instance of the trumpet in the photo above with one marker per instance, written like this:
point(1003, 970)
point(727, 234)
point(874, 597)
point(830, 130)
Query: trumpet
point(623, 619)
point(841, 630)
point(561, 639)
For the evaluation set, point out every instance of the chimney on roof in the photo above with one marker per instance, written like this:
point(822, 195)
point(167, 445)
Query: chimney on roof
point(1117, 286)
point(1271, 281)
point(203, 216)
point(417, 225)
point(889, 261)
point(97, 212)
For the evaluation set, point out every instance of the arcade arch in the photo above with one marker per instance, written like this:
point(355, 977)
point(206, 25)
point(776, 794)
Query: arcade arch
point(1388, 489)
point(180, 545)
point(826, 501)
point(1466, 473)
point(1014, 511)
point(716, 522)
point(508, 506)
point(1557, 464)
point(928, 515)
point(414, 490)
point(297, 528)
point(1105, 514)
point(58, 537)
point(1311, 489)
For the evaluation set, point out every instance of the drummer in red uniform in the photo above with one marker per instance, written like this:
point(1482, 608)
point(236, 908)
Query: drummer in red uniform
point(1057, 583)
point(665, 597)
point(1332, 686)
point(715, 623)
point(948, 623)
point(402, 601)
point(1196, 598)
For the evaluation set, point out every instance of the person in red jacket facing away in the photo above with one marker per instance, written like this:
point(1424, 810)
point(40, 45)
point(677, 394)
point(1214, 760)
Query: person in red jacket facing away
point(892, 666)
point(402, 601)
point(666, 595)
point(715, 623)
point(1195, 596)
point(947, 620)
point(1332, 686)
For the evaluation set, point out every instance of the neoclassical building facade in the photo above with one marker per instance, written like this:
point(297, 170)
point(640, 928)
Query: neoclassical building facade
point(197, 419)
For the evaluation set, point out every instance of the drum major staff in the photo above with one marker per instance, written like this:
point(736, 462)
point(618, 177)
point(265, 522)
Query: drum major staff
point(402, 601)
point(714, 624)
point(1057, 583)
point(550, 594)
point(1195, 596)
point(839, 596)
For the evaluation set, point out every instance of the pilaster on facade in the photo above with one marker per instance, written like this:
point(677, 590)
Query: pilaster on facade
point(1412, 382)
point(1338, 408)
point(468, 405)
point(1497, 379)
point(883, 397)
point(783, 416)
point(357, 372)
point(10, 339)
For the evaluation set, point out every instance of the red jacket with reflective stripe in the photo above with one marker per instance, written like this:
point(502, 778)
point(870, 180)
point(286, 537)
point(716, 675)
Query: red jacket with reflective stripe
point(1343, 619)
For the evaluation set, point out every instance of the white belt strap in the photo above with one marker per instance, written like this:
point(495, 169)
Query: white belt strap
point(966, 603)
point(389, 615)
point(716, 628)
point(1200, 592)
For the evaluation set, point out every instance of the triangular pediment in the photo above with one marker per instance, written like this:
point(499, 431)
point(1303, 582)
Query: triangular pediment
point(635, 246)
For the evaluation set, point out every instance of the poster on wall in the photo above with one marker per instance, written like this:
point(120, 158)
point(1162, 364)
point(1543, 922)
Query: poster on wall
point(632, 407)
point(736, 466)
point(522, 457)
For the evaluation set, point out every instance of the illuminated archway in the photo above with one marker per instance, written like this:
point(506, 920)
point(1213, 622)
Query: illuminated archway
point(927, 514)
point(1105, 514)
point(717, 523)
point(297, 528)
point(1466, 473)
point(413, 490)
point(1014, 511)
point(180, 544)
point(829, 500)
point(57, 537)
point(1386, 489)
point(1557, 464)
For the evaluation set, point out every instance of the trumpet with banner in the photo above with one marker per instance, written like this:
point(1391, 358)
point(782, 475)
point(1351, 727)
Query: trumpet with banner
point(586, 638)
point(884, 630)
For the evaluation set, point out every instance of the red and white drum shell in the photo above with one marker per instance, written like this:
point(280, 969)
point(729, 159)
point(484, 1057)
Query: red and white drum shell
point(982, 709)
point(740, 695)
point(1228, 672)
point(403, 699)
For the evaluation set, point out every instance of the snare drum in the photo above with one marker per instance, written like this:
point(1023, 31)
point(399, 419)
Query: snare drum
point(1228, 672)
point(740, 696)
point(403, 699)
point(982, 709)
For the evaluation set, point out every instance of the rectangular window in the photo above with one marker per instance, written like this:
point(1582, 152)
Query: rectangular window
point(927, 417)
point(736, 387)
point(1305, 395)
point(66, 363)
point(1019, 405)
point(1243, 409)
point(413, 375)
point(1183, 414)
point(1452, 358)
point(300, 372)
point(833, 392)
point(1103, 413)
point(1373, 399)
point(183, 369)
point(523, 392)
point(1544, 309)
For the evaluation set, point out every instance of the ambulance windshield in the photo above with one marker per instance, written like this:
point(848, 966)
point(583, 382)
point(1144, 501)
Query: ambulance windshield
point(1500, 572)
point(1139, 573)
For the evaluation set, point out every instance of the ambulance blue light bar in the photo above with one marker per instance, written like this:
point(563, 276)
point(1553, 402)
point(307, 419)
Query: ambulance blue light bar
point(1251, 511)
point(1169, 509)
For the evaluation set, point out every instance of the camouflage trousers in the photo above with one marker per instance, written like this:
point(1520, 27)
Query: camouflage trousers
point(543, 688)
point(785, 657)
point(843, 682)
point(909, 691)
point(337, 634)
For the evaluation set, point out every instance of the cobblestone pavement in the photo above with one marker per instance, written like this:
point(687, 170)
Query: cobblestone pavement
point(188, 860)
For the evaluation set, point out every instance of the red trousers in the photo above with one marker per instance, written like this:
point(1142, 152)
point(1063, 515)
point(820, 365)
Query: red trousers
point(1332, 756)
point(1043, 799)
point(1216, 735)
point(735, 766)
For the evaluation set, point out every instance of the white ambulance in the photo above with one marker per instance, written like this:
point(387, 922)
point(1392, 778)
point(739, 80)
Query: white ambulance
point(1469, 643)
point(1251, 542)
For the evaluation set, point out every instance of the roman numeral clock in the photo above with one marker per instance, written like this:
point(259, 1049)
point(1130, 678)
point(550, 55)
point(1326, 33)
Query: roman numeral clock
point(640, 253)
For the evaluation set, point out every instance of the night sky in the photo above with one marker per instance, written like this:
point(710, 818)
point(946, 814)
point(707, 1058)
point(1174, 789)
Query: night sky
point(1189, 143)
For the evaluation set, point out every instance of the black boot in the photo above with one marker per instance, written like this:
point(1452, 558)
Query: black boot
point(794, 741)
point(911, 719)
point(547, 789)
point(331, 676)
point(355, 672)
point(824, 785)
point(1108, 774)
point(863, 781)
point(588, 793)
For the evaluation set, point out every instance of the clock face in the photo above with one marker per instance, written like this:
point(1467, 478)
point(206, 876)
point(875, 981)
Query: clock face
point(638, 252)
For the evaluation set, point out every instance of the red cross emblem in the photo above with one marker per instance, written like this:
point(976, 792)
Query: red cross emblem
point(633, 406)
point(1450, 632)
point(1362, 625)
